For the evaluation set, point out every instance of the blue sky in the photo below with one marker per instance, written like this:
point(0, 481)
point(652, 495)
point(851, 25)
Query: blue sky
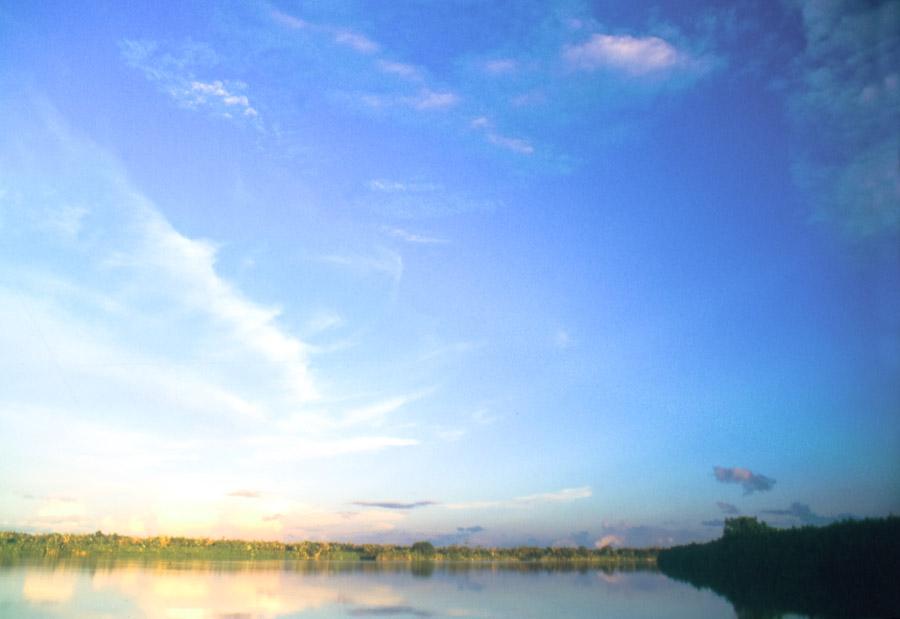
point(476, 272)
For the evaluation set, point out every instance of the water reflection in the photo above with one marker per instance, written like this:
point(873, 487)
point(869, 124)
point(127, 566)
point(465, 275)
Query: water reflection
point(267, 590)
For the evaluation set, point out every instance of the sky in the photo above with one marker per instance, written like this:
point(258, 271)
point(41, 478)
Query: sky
point(492, 273)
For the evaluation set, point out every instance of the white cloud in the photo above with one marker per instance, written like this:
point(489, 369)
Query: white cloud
point(517, 145)
point(609, 540)
point(382, 261)
point(356, 41)
point(400, 69)
point(563, 339)
point(217, 89)
point(426, 100)
point(431, 100)
point(632, 55)
point(566, 495)
point(292, 449)
point(289, 20)
point(418, 239)
point(500, 65)
point(375, 413)
point(187, 267)
point(174, 72)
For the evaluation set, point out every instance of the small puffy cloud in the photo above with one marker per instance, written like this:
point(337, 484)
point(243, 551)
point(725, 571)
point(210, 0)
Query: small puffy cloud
point(713, 523)
point(750, 481)
point(727, 508)
point(632, 55)
point(394, 504)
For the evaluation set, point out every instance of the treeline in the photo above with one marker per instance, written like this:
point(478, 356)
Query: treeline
point(849, 568)
point(163, 547)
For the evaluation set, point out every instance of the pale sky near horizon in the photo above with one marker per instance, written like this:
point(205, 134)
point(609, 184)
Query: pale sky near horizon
point(473, 272)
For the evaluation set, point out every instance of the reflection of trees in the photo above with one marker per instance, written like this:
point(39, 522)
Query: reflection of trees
point(182, 548)
point(845, 569)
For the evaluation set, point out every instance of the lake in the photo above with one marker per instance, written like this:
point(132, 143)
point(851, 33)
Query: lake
point(73, 589)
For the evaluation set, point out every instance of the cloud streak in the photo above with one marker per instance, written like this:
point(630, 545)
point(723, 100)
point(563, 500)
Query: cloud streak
point(566, 495)
point(394, 504)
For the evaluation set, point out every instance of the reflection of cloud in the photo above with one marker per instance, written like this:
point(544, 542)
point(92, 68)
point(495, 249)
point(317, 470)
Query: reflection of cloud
point(388, 611)
point(49, 586)
point(750, 481)
point(263, 594)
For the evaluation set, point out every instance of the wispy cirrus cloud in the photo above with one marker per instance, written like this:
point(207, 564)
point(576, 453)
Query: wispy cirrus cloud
point(517, 145)
point(381, 261)
point(175, 73)
point(751, 482)
point(425, 100)
point(419, 199)
point(357, 41)
point(566, 495)
point(412, 237)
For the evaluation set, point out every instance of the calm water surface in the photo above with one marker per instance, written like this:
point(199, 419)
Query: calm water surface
point(241, 590)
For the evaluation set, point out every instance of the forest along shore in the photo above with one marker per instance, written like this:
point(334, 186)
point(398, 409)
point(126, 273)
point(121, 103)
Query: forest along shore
point(848, 568)
point(64, 545)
